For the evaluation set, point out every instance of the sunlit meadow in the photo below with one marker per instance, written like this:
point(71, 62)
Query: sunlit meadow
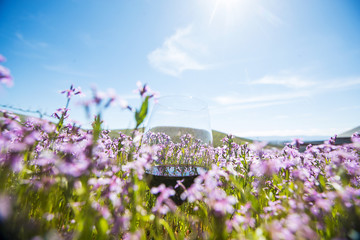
point(59, 181)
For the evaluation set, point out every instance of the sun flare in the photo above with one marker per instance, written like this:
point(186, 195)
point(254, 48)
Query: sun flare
point(225, 8)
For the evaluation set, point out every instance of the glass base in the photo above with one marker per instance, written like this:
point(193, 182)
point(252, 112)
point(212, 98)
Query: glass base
point(170, 174)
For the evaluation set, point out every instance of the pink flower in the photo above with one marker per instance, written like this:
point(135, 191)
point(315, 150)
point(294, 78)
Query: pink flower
point(5, 77)
point(5, 206)
point(71, 92)
point(193, 193)
point(240, 221)
point(2, 58)
point(297, 142)
point(123, 103)
point(144, 90)
point(59, 112)
point(133, 236)
point(163, 202)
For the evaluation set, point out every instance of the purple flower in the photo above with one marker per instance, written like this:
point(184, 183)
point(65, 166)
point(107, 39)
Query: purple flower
point(297, 142)
point(265, 167)
point(112, 98)
point(355, 137)
point(294, 226)
point(61, 111)
point(142, 161)
point(219, 202)
point(121, 223)
point(308, 147)
point(2, 58)
point(98, 96)
point(123, 103)
point(278, 231)
point(163, 202)
point(10, 115)
point(215, 172)
point(193, 193)
point(348, 194)
point(332, 140)
point(32, 137)
point(72, 91)
point(274, 208)
point(323, 203)
point(103, 210)
point(73, 164)
point(227, 139)
point(240, 221)
point(133, 236)
point(179, 183)
point(16, 162)
point(231, 169)
point(5, 207)
point(46, 158)
point(144, 90)
point(299, 223)
point(258, 147)
point(5, 77)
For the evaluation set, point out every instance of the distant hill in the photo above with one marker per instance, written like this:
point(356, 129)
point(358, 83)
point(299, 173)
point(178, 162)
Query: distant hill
point(349, 133)
point(342, 138)
point(217, 136)
point(284, 139)
point(281, 140)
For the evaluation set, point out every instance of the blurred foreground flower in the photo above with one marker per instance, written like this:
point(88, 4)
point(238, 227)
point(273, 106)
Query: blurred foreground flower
point(5, 77)
point(5, 207)
point(163, 202)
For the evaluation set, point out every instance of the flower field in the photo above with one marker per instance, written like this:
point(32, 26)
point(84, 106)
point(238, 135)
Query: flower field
point(58, 181)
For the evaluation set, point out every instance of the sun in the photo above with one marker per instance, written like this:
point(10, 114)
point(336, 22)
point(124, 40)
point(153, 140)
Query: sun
point(226, 8)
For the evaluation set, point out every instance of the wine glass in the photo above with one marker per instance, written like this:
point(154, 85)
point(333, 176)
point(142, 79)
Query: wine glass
point(178, 116)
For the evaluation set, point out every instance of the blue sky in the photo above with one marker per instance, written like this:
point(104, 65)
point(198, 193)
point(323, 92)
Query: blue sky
point(264, 67)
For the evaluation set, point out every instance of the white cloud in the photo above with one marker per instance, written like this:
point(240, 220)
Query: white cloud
point(232, 103)
point(342, 83)
point(281, 117)
point(347, 108)
point(174, 56)
point(229, 103)
point(297, 82)
point(231, 100)
point(287, 81)
point(31, 44)
point(233, 107)
point(288, 132)
point(65, 69)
